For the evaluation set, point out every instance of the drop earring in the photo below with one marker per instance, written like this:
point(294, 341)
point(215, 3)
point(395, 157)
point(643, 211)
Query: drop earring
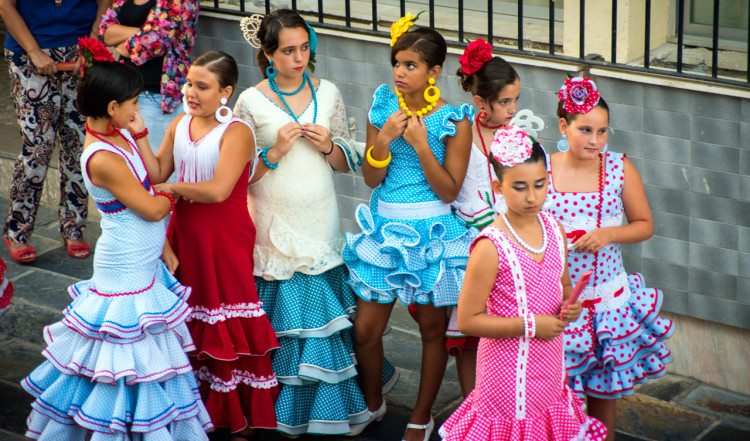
point(222, 118)
point(604, 150)
point(563, 145)
point(270, 70)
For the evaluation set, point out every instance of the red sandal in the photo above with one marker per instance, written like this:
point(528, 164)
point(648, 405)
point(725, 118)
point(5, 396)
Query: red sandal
point(25, 255)
point(77, 250)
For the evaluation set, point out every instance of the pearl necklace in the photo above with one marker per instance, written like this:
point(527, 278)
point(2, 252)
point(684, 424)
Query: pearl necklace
point(524, 244)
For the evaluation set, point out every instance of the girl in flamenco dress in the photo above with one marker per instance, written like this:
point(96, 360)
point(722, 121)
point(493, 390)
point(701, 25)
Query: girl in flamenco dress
point(512, 297)
point(213, 235)
point(116, 365)
point(618, 341)
point(411, 247)
point(303, 140)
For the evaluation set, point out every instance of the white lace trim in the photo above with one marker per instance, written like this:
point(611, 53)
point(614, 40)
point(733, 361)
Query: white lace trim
point(238, 376)
point(224, 312)
point(340, 135)
point(606, 292)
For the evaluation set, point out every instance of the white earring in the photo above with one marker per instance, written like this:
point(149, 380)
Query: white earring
point(185, 107)
point(604, 150)
point(501, 207)
point(222, 118)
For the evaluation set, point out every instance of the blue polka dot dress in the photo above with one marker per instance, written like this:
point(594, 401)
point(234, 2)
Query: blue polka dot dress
point(411, 246)
point(618, 340)
point(116, 366)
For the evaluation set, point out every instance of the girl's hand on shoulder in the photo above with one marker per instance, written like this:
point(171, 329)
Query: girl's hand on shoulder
point(572, 312)
point(288, 134)
point(318, 136)
point(137, 125)
point(394, 126)
point(548, 327)
point(593, 241)
point(416, 133)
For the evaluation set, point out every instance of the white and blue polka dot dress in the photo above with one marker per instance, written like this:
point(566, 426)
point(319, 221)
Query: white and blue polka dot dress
point(411, 246)
point(116, 366)
point(618, 340)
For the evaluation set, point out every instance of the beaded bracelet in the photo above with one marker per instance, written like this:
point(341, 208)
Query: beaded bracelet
point(329, 151)
point(265, 159)
point(168, 196)
point(374, 162)
point(532, 325)
point(525, 325)
point(142, 134)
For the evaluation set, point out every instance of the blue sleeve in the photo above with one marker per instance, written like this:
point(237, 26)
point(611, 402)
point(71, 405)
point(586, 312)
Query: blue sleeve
point(384, 103)
point(448, 126)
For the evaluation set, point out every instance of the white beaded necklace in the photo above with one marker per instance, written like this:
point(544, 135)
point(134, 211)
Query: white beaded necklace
point(524, 244)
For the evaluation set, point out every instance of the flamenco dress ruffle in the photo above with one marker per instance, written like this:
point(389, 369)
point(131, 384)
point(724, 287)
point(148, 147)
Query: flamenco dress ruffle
point(116, 368)
point(316, 365)
point(609, 352)
point(6, 289)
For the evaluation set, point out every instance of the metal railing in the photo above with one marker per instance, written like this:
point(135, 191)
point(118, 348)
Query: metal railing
point(365, 21)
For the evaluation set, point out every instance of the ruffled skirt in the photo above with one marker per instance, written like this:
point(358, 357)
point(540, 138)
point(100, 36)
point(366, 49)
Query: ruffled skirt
point(116, 368)
point(315, 365)
point(421, 260)
point(608, 352)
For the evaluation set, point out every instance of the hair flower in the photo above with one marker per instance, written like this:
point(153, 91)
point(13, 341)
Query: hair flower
point(511, 146)
point(91, 50)
point(401, 26)
point(579, 95)
point(475, 55)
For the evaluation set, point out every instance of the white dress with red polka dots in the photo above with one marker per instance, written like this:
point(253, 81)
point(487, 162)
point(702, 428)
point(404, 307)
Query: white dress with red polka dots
point(520, 392)
point(617, 341)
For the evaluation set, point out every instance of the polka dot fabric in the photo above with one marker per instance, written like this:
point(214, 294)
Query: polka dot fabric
point(418, 259)
point(116, 366)
point(618, 341)
point(550, 410)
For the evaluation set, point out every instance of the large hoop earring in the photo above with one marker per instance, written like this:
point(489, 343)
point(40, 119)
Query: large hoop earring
point(482, 114)
point(563, 145)
point(223, 118)
point(604, 150)
point(185, 107)
point(432, 93)
point(270, 70)
point(500, 207)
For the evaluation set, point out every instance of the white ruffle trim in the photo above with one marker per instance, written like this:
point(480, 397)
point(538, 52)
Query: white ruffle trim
point(238, 376)
point(224, 312)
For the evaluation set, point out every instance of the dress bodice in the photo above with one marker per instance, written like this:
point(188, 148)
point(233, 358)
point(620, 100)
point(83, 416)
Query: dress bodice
point(405, 181)
point(476, 201)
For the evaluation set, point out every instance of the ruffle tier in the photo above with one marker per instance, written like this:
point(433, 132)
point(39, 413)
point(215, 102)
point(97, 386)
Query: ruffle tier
point(608, 352)
point(126, 317)
point(563, 420)
point(114, 411)
point(233, 336)
point(315, 365)
point(423, 261)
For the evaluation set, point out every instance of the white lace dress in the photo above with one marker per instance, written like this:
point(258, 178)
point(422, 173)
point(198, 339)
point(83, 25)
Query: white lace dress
point(299, 271)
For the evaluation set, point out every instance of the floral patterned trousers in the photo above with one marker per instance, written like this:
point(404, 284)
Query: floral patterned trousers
point(47, 118)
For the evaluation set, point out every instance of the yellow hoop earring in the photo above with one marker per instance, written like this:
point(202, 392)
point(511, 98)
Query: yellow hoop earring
point(374, 162)
point(432, 93)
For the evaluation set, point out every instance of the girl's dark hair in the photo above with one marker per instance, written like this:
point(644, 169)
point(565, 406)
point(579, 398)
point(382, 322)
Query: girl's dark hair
point(489, 80)
point(569, 117)
point(105, 82)
point(222, 65)
point(537, 155)
point(269, 30)
point(427, 42)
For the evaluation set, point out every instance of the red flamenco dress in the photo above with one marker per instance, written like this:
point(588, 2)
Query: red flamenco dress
point(214, 244)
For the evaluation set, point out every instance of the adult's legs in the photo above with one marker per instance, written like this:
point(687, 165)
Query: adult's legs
point(369, 325)
point(432, 325)
point(604, 411)
point(466, 365)
point(73, 206)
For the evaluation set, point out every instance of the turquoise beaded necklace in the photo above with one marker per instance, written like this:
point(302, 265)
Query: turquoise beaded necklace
point(305, 80)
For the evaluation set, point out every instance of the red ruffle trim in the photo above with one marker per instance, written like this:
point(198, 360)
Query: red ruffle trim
point(228, 340)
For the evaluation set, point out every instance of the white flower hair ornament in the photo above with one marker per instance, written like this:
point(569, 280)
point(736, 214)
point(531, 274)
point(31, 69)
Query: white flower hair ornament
point(511, 146)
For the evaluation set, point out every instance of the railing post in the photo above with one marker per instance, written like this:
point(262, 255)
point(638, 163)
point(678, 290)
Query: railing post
point(520, 25)
point(461, 21)
point(680, 32)
point(614, 31)
point(581, 30)
point(320, 11)
point(490, 17)
point(551, 27)
point(374, 15)
point(647, 37)
point(715, 50)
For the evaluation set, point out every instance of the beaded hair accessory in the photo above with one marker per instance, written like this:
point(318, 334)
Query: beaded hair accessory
point(402, 26)
point(511, 146)
point(475, 55)
point(251, 25)
point(579, 95)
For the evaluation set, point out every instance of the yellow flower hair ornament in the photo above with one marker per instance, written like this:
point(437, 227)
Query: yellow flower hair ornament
point(402, 26)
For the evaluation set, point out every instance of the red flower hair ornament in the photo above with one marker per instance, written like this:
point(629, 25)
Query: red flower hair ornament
point(475, 55)
point(579, 95)
point(91, 50)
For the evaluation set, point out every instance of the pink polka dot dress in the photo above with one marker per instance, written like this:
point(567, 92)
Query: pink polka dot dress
point(617, 341)
point(520, 391)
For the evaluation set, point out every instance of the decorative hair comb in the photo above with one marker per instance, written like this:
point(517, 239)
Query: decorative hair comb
point(402, 26)
point(250, 26)
point(475, 55)
point(511, 146)
point(579, 95)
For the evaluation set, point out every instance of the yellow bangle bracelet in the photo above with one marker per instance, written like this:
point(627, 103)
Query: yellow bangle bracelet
point(374, 162)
